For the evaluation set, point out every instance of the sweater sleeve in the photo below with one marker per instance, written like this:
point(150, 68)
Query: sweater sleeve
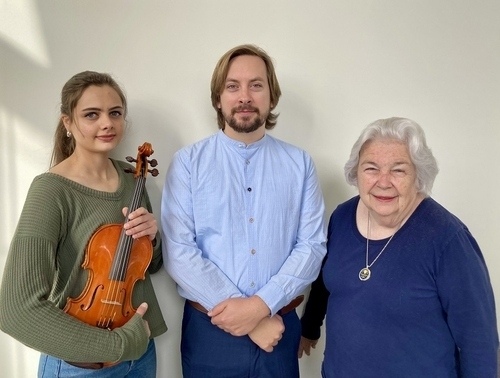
point(315, 309)
point(467, 298)
point(27, 309)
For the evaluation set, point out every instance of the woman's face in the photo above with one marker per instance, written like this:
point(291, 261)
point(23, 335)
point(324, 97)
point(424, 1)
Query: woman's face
point(387, 180)
point(98, 120)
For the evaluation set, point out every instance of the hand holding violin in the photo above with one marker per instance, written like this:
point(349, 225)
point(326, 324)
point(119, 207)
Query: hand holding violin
point(141, 310)
point(140, 223)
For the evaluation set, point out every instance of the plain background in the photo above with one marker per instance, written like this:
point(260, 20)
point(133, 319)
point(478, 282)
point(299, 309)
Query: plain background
point(341, 64)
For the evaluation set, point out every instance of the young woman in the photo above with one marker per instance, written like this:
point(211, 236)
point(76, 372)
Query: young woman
point(83, 190)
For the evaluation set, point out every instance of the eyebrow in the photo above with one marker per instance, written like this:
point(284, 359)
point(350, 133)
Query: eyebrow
point(99, 109)
point(258, 78)
point(392, 165)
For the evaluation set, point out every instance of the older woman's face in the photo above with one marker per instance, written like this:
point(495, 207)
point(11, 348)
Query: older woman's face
point(387, 179)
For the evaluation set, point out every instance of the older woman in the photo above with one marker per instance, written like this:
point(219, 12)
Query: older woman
point(410, 294)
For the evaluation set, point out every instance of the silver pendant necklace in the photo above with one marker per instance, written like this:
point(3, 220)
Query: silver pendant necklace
point(365, 273)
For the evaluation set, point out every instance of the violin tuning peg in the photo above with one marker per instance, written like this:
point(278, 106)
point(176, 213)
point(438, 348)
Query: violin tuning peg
point(154, 172)
point(153, 162)
point(130, 159)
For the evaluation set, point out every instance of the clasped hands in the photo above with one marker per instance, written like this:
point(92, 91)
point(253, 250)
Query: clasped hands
point(249, 316)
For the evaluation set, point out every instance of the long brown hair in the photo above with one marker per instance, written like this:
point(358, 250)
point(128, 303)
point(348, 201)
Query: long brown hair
point(71, 93)
point(220, 74)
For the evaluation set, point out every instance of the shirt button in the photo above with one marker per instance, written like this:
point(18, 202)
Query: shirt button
point(253, 251)
point(249, 189)
point(251, 220)
point(252, 284)
point(247, 162)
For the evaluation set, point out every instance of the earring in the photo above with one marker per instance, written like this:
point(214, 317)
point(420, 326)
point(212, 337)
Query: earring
point(68, 134)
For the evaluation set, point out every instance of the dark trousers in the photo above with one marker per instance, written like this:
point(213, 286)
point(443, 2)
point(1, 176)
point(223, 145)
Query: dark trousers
point(209, 352)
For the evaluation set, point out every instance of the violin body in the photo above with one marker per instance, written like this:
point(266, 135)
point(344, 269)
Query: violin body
point(106, 300)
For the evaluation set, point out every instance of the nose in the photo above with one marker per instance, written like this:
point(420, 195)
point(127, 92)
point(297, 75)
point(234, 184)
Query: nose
point(384, 180)
point(106, 122)
point(245, 97)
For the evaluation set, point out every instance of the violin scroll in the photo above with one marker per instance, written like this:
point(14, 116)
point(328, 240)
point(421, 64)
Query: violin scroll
point(141, 167)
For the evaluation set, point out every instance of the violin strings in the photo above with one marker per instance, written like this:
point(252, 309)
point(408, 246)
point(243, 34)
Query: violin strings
point(120, 264)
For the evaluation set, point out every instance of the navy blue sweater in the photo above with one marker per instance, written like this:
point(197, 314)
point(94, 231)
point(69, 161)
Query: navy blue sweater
point(428, 309)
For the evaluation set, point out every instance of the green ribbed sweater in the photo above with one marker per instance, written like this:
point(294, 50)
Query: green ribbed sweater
point(43, 269)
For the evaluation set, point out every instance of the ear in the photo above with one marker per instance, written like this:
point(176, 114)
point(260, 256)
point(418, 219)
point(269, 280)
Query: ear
point(66, 121)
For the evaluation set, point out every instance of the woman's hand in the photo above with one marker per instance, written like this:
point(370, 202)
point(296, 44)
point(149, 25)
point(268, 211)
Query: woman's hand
point(141, 310)
point(140, 223)
point(305, 346)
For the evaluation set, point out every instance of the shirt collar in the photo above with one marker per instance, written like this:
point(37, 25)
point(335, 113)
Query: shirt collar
point(240, 145)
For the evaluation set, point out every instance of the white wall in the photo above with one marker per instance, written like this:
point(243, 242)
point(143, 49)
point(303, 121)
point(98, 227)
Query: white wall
point(341, 65)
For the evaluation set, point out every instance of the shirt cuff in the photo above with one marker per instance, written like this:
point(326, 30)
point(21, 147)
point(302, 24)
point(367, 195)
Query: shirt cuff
point(274, 297)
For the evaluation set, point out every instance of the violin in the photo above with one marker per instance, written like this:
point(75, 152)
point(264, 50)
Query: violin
point(115, 262)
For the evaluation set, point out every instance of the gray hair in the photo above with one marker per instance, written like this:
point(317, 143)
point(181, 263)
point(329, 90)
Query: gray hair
point(403, 130)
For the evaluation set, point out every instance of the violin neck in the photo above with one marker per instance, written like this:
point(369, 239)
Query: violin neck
point(122, 254)
point(137, 197)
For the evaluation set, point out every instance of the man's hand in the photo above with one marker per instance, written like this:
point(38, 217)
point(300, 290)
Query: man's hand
point(268, 332)
point(306, 345)
point(239, 316)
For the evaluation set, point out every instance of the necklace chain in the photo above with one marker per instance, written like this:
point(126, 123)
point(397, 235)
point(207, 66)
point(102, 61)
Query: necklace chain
point(368, 240)
point(365, 273)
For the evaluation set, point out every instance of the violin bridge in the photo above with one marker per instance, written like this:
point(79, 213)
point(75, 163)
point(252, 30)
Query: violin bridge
point(108, 302)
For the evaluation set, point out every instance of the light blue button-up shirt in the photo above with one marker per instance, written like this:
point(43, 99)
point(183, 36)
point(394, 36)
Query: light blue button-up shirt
point(241, 220)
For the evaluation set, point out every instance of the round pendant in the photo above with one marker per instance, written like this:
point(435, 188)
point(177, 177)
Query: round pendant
point(364, 274)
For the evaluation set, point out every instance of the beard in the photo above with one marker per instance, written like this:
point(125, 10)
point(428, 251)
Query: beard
point(249, 123)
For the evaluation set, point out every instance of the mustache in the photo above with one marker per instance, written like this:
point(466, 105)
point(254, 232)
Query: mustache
point(242, 108)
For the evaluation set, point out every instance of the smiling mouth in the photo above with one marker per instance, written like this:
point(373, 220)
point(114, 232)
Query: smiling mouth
point(383, 198)
point(106, 137)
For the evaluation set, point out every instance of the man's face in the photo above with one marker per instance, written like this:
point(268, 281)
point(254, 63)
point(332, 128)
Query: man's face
point(245, 101)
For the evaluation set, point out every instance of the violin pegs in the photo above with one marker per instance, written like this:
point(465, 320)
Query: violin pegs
point(154, 172)
point(153, 162)
point(130, 159)
point(129, 170)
